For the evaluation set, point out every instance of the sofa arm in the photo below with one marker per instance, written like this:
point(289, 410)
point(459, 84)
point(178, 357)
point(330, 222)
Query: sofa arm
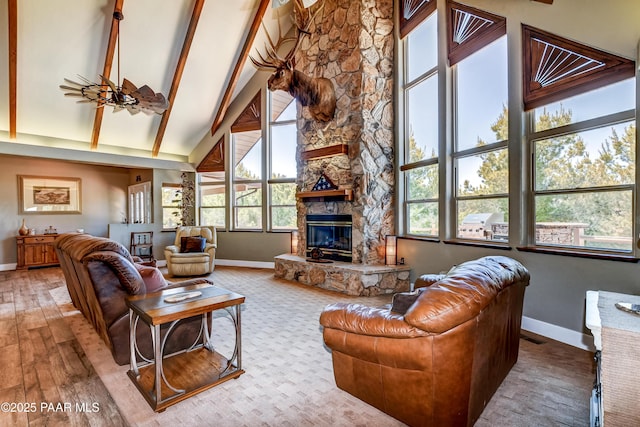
point(428, 280)
point(364, 320)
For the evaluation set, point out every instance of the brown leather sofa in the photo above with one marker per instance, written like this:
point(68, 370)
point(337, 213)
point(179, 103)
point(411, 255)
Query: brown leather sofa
point(100, 273)
point(440, 362)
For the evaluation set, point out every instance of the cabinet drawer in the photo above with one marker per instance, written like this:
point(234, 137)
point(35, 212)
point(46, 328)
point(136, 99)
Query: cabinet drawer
point(39, 239)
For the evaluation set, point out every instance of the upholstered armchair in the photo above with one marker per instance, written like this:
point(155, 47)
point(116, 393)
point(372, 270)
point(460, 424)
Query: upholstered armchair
point(193, 252)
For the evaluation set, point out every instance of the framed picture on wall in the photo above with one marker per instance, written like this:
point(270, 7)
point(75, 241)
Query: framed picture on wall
point(49, 195)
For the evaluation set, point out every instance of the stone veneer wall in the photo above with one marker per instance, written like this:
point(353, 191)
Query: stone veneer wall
point(352, 44)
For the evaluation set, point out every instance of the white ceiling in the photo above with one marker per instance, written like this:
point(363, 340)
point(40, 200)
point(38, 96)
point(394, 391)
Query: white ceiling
point(65, 38)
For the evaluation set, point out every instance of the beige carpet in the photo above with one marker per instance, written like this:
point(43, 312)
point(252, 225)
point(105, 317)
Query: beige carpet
point(289, 378)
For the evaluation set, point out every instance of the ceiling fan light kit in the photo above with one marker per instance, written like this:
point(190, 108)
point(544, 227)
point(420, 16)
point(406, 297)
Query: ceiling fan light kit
point(127, 96)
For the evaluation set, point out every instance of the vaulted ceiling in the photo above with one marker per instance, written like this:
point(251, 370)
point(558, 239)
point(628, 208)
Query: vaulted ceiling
point(188, 50)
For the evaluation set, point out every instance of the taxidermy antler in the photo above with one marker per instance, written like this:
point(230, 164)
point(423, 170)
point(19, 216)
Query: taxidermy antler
point(317, 93)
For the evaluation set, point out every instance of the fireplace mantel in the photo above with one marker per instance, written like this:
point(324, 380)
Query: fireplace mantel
point(345, 194)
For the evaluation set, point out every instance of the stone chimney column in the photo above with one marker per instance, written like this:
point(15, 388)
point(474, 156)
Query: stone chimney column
point(352, 44)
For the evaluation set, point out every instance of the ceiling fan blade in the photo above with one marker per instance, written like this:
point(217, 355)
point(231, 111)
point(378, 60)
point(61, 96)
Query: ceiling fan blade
point(110, 83)
point(128, 88)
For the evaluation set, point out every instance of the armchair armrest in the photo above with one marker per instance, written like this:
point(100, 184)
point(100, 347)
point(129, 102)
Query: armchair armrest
point(364, 320)
point(172, 248)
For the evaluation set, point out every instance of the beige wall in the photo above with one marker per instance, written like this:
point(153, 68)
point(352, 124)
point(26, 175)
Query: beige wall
point(103, 199)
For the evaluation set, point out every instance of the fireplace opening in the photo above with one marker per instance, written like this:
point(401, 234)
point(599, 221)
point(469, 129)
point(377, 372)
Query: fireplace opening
point(331, 234)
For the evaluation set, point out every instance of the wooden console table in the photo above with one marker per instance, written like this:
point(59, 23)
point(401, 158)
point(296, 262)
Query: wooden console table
point(36, 250)
point(158, 379)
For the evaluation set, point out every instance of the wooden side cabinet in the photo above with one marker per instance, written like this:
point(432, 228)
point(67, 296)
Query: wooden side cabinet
point(36, 251)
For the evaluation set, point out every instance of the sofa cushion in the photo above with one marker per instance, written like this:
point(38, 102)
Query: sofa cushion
point(403, 300)
point(152, 278)
point(192, 244)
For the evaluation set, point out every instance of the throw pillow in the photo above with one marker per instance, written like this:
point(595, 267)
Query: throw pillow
point(152, 278)
point(192, 244)
point(403, 300)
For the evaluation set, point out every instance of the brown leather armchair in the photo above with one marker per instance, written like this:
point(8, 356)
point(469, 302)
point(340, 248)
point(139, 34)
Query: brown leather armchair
point(439, 362)
point(100, 273)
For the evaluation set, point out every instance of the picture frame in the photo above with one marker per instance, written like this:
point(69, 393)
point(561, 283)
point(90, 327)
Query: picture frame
point(49, 195)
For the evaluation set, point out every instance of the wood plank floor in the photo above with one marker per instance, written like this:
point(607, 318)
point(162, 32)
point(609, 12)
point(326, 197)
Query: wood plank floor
point(47, 377)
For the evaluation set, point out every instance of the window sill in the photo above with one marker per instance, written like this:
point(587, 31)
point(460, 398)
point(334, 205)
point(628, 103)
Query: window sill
point(480, 244)
point(420, 238)
point(608, 256)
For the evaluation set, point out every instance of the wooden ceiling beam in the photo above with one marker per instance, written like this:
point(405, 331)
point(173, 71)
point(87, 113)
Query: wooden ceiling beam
point(244, 54)
point(177, 75)
point(106, 71)
point(13, 66)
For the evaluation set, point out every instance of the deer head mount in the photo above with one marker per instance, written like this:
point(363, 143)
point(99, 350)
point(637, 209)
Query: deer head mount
point(316, 93)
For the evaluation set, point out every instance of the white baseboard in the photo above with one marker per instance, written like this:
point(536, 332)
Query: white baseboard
point(558, 333)
point(7, 267)
point(240, 263)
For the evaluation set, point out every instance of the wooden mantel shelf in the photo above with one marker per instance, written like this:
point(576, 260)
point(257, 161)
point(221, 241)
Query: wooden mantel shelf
point(331, 150)
point(346, 194)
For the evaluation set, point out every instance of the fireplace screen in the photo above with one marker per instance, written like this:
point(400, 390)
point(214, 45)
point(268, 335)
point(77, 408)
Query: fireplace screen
point(330, 233)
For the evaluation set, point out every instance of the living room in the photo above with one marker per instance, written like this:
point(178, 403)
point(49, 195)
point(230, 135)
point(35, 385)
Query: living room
point(554, 305)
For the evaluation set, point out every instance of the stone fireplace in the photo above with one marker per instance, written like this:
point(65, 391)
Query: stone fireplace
point(352, 44)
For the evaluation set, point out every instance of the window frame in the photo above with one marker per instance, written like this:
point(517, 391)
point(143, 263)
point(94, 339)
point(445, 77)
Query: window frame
point(202, 206)
point(174, 187)
point(407, 166)
point(457, 155)
point(533, 137)
point(274, 123)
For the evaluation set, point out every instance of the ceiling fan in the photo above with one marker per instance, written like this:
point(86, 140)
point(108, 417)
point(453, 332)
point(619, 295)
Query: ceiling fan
point(127, 96)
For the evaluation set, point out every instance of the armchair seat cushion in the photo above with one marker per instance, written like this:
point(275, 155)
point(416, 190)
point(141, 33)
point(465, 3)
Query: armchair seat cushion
point(188, 258)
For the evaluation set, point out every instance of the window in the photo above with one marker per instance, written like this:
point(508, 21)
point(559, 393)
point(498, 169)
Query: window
point(247, 180)
point(420, 166)
point(140, 203)
point(481, 160)
point(212, 199)
point(282, 180)
point(577, 145)
point(171, 202)
point(584, 170)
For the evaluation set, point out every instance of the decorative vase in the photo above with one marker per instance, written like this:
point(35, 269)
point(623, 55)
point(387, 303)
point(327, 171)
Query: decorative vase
point(24, 230)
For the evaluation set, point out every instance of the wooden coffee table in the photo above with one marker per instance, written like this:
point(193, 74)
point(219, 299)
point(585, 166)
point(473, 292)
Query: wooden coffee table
point(169, 379)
